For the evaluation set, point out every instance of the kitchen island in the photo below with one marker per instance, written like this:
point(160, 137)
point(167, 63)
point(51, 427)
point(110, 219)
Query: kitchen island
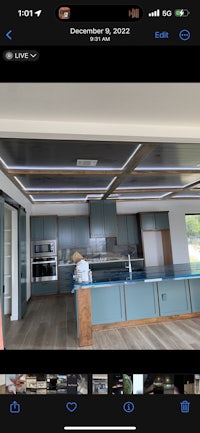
point(121, 299)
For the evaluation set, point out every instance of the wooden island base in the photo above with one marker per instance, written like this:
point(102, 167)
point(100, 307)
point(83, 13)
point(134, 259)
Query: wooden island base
point(120, 305)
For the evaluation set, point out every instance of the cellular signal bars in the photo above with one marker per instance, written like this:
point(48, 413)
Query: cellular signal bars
point(155, 13)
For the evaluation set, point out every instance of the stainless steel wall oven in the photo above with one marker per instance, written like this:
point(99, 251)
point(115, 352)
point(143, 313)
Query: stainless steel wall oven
point(44, 269)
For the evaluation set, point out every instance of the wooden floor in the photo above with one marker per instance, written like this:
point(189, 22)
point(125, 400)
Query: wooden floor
point(49, 323)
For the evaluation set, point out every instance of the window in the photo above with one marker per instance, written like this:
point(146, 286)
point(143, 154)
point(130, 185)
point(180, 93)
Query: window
point(193, 236)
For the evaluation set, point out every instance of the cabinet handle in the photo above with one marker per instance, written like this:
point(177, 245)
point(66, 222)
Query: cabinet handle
point(164, 296)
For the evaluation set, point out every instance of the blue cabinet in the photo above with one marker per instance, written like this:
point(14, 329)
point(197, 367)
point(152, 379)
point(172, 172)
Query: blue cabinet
point(110, 218)
point(37, 232)
point(141, 300)
point(127, 229)
point(174, 297)
point(195, 294)
point(103, 218)
point(65, 234)
point(81, 231)
point(161, 221)
point(73, 232)
point(43, 228)
point(154, 221)
point(147, 221)
point(50, 227)
point(107, 304)
point(97, 219)
point(45, 288)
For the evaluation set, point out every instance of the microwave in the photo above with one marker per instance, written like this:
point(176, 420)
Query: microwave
point(43, 248)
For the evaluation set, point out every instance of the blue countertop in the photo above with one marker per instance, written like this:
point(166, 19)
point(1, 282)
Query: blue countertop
point(148, 274)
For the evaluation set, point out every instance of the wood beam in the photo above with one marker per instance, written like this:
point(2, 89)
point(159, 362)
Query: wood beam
point(18, 172)
point(143, 151)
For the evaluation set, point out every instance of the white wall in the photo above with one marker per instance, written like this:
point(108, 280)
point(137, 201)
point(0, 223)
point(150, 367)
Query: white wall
point(69, 209)
point(152, 248)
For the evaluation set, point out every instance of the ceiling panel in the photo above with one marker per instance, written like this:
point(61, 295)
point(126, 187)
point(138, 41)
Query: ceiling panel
point(64, 153)
point(46, 170)
point(58, 181)
point(172, 155)
point(159, 181)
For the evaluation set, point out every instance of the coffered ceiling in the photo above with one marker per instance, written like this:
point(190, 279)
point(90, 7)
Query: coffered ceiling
point(134, 168)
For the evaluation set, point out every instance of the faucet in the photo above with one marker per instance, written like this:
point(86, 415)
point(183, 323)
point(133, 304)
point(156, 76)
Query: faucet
point(129, 267)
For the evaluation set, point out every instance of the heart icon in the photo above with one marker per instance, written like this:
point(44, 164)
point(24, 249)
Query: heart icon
point(71, 406)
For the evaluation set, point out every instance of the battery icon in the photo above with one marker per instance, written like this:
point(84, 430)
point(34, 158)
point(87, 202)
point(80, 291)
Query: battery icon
point(181, 13)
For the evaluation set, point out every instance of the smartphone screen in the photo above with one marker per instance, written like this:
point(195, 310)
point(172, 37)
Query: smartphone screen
point(99, 216)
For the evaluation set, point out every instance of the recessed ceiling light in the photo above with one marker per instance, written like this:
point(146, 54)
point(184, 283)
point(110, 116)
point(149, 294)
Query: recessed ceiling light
point(86, 162)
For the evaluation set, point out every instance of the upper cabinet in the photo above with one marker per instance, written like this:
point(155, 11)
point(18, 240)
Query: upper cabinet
point(127, 229)
point(154, 221)
point(43, 228)
point(81, 231)
point(73, 232)
point(103, 218)
point(65, 234)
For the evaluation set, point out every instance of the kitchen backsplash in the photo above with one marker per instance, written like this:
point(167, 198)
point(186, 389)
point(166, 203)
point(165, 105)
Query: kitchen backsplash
point(101, 247)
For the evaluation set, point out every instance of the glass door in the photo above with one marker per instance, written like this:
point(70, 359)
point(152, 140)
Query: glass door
point(22, 262)
point(1, 271)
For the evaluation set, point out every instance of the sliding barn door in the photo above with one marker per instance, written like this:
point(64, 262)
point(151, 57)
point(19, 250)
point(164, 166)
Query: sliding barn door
point(22, 303)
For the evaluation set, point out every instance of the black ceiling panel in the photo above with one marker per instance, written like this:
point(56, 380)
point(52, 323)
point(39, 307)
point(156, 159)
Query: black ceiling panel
point(159, 181)
point(58, 181)
point(64, 153)
point(172, 155)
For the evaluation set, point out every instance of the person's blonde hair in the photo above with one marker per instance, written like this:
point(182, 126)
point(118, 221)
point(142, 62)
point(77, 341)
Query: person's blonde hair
point(76, 257)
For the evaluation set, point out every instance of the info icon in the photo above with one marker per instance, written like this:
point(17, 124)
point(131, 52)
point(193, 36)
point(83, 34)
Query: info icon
point(64, 13)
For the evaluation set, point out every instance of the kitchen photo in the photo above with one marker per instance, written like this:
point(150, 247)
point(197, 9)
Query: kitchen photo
point(99, 216)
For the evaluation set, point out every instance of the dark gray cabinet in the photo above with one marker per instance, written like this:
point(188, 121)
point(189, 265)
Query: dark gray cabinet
point(65, 276)
point(73, 232)
point(127, 229)
point(43, 228)
point(103, 218)
point(154, 221)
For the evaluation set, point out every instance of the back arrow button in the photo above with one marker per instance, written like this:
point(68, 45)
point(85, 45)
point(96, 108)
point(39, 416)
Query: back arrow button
point(8, 35)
